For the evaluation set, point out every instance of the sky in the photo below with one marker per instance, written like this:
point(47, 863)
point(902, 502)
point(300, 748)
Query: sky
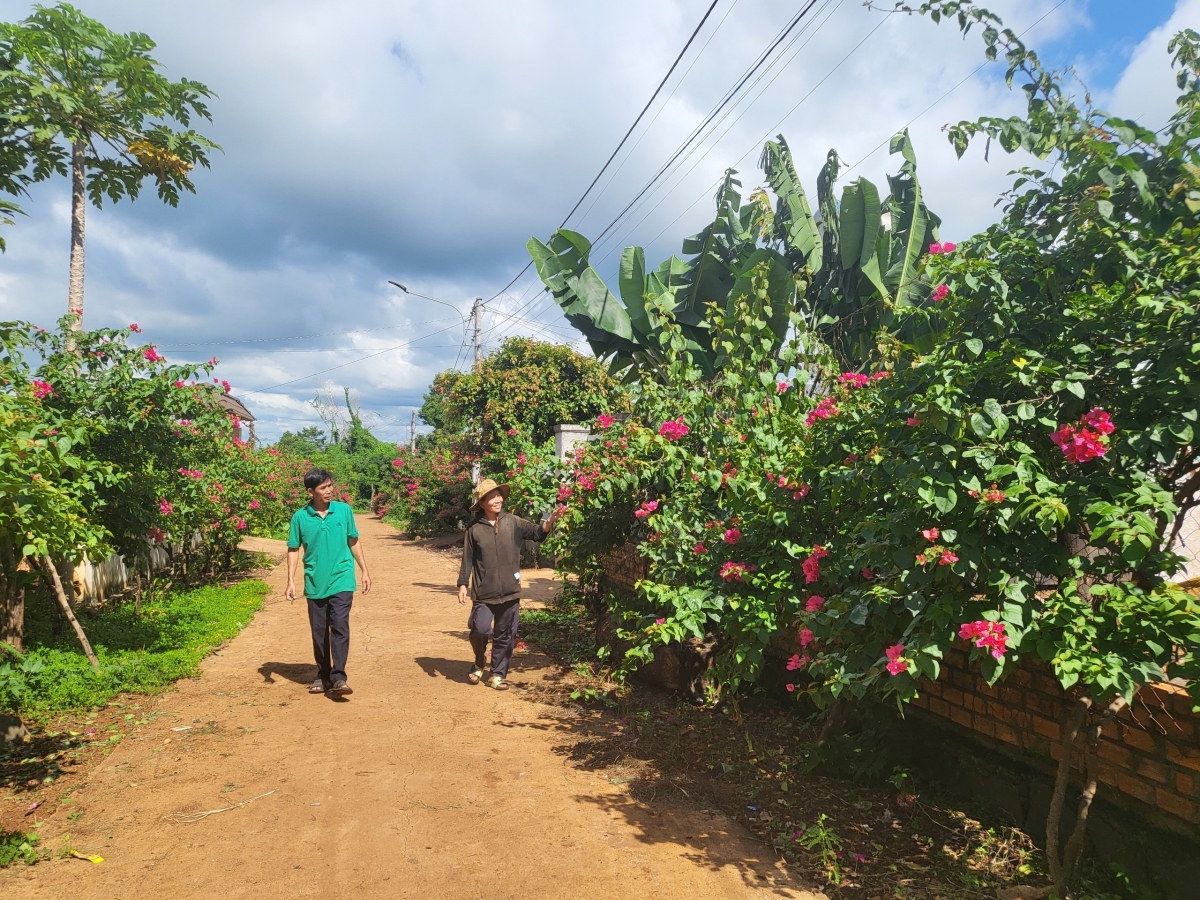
point(426, 142)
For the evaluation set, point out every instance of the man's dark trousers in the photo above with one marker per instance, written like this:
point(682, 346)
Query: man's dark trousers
point(330, 621)
point(497, 621)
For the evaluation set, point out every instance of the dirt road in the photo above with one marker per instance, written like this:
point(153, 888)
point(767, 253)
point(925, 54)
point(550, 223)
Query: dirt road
point(417, 785)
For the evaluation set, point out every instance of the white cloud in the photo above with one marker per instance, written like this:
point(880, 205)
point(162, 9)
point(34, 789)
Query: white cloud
point(1146, 90)
point(427, 141)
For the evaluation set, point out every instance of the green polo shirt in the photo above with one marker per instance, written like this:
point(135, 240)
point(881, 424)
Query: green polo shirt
point(328, 562)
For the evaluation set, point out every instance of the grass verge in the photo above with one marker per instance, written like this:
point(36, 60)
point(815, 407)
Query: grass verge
point(140, 651)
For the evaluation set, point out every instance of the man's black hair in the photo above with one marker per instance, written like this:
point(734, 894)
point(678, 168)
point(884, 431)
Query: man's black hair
point(315, 477)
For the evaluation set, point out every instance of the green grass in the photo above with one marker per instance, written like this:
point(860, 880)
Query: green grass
point(18, 847)
point(139, 652)
point(564, 630)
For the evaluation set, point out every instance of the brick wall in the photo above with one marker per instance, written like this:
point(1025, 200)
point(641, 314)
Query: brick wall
point(1149, 756)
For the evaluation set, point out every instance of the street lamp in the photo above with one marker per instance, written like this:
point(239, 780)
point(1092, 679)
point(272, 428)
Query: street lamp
point(434, 299)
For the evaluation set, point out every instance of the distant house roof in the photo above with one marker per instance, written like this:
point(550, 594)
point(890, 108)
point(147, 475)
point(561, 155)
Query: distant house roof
point(232, 404)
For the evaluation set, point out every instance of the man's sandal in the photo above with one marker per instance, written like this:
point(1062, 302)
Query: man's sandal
point(475, 676)
point(498, 684)
point(318, 687)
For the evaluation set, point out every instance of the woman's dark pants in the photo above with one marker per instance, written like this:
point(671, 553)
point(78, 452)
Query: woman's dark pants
point(496, 622)
point(330, 621)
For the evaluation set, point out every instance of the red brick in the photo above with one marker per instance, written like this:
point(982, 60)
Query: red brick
point(998, 711)
point(960, 716)
point(1115, 753)
point(939, 707)
point(953, 696)
point(1046, 727)
point(988, 690)
point(985, 725)
point(932, 688)
point(1139, 739)
point(1021, 678)
point(981, 704)
point(961, 679)
point(1183, 755)
point(1153, 769)
point(1187, 784)
point(1005, 733)
point(1012, 697)
point(920, 701)
point(1047, 684)
point(1176, 806)
point(1135, 787)
point(1181, 705)
point(1106, 774)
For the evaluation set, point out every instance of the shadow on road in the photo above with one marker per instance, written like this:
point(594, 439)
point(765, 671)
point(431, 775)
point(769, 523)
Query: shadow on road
point(450, 669)
point(299, 673)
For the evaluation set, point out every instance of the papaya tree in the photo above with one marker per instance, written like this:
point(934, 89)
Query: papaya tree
point(92, 103)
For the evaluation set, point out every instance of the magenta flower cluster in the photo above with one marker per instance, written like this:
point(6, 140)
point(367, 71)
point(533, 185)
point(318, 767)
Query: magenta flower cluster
point(1085, 441)
point(673, 429)
point(989, 635)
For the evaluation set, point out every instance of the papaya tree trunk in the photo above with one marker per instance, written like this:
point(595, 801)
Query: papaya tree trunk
point(78, 213)
point(1066, 865)
point(69, 613)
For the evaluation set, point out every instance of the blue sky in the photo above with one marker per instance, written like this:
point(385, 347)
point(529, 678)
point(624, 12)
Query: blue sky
point(426, 142)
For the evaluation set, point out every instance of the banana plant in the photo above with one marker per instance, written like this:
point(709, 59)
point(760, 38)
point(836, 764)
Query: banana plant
point(628, 331)
point(861, 256)
point(848, 268)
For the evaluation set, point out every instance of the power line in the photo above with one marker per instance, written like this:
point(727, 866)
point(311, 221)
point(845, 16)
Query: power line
point(350, 363)
point(608, 162)
point(678, 84)
point(729, 96)
point(969, 76)
point(821, 24)
point(300, 337)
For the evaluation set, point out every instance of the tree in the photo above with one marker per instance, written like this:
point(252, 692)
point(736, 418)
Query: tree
point(527, 385)
point(77, 86)
point(308, 441)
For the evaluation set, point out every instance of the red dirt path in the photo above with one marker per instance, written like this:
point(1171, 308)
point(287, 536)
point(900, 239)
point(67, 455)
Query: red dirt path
point(418, 785)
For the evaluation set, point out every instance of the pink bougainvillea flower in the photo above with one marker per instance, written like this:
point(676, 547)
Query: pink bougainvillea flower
point(814, 603)
point(733, 571)
point(931, 534)
point(859, 857)
point(940, 293)
point(157, 535)
point(987, 635)
point(794, 663)
point(949, 558)
point(790, 688)
point(1099, 421)
point(801, 492)
point(241, 524)
point(854, 379)
point(935, 248)
point(812, 570)
point(896, 661)
point(42, 389)
point(225, 385)
point(512, 432)
point(699, 548)
point(805, 637)
point(135, 328)
point(782, 387)
point(604, 420)
point(824, 410)
point(867, 574)
point(152, 355)
point(179, 383)
point(733, 535)
point(165, 507)
point(948, 247)
point(660, 621)
point(254, 504)
point(912, 422)
point(673, 429)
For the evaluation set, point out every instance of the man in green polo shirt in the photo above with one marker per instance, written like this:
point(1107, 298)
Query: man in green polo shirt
point(326, 531)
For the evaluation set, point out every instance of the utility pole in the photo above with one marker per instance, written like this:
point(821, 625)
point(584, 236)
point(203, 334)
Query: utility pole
point(412, 433)
point(477, 313)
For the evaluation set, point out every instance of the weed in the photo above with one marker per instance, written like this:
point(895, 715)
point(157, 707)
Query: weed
point(823, 839)
point(18, 847)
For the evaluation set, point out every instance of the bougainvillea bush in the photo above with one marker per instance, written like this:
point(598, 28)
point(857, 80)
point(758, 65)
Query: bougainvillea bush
point(431, 490)
point(112, 448)
point(1014, 483)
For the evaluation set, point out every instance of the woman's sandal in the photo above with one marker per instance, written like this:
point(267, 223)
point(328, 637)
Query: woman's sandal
point(475, 676)
point(498, 684)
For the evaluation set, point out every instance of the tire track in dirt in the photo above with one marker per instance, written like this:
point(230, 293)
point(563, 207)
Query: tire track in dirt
point(417, 785)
